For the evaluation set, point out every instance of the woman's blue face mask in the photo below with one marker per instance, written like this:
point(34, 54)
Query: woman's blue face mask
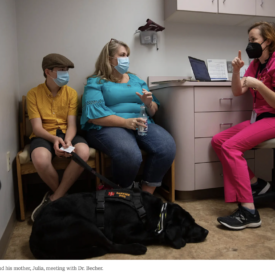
point(62, 78)
point(123, 64)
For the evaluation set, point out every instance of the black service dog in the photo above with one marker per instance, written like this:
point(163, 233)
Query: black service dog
point(69, 227)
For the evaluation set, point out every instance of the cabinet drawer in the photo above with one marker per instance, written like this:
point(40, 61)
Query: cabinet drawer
point(210, 124)
point(210, 175)
point(205, 153)
point(215, 99)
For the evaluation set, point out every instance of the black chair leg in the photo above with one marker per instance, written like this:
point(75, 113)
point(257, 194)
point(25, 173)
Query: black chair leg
point(273, 170)
point(270, 196)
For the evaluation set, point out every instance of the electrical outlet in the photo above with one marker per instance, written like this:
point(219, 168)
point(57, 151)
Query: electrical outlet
point(8, 161)
point(229, 67)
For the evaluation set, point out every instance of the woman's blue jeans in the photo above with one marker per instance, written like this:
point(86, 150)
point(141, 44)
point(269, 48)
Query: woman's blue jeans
point(123, 147)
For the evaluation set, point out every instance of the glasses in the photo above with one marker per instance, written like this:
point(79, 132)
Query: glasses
point(112, 39)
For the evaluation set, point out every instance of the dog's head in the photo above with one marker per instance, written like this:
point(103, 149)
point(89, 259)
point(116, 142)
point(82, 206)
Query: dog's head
point(181, 228)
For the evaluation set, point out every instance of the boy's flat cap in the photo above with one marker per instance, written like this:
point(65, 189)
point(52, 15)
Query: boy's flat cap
point(56, 60)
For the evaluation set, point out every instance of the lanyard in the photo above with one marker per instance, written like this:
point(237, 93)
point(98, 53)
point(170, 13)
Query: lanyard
point(256, 76)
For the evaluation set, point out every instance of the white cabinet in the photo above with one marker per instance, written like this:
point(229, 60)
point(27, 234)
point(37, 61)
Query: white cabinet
point(211, 174)
point(211, 123)
point(222, 12)
point(265, 8)
point(198, 5)
point(220, 99)
point(245, 7)
point(193, 113)
point(172, 6)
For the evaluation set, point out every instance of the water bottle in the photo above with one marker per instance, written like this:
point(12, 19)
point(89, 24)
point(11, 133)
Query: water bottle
point(142, 131)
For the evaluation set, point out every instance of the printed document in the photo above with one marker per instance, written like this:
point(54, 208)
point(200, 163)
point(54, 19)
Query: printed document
point(217, 69)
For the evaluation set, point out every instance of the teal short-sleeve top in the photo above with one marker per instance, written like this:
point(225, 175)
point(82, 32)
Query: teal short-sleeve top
point(103, 98)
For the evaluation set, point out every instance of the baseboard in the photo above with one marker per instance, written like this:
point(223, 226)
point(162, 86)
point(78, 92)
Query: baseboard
point(4, 242)
point(200, 194)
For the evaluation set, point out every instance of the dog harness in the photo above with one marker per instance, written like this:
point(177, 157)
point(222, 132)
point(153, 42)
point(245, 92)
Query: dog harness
point(129, 197)
point(162, 219)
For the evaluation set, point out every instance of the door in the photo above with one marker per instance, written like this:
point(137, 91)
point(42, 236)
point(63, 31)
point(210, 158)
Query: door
point(265, 8)
point(245, 7)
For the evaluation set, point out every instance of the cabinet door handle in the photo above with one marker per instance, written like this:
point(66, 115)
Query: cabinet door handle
point(222, 124)
point(213, 1)
point(224, 1)
point(227, 98)
point(262, 3)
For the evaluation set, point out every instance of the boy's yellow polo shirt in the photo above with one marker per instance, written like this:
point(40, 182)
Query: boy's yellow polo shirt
point(53, 111)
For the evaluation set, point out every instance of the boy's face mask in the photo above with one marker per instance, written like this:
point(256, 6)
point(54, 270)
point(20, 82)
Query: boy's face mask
point(62, 78)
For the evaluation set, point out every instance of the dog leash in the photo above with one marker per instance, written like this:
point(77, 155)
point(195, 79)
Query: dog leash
point(82, 163)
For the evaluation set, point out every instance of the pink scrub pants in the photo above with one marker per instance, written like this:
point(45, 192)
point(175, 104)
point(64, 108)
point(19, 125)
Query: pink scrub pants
point(230, 145)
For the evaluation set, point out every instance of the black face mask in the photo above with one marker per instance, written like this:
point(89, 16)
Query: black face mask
point(254, 50)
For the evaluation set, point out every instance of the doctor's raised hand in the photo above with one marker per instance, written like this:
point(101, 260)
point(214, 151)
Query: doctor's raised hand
point(237, 63)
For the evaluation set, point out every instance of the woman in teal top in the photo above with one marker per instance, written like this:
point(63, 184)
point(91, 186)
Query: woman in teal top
point(111, 98)
point(110, 115)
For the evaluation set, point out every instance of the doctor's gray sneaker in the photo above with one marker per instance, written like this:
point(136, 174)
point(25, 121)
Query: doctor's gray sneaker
point(241, 219)
point(260, 188)
point(46, 200)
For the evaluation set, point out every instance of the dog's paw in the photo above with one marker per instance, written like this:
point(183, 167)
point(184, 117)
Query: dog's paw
point(138, 249)
point(133, 248)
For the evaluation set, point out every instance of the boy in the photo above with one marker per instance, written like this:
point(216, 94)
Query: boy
point(52, 110)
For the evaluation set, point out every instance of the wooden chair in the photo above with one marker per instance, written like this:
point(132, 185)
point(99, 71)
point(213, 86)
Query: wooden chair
point(25, 166)
point(167, 190)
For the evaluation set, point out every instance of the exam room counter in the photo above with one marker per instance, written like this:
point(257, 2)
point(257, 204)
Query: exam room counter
point(193, 112)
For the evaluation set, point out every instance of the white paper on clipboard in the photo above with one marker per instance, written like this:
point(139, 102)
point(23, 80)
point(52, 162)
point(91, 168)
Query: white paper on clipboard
point(217, 69)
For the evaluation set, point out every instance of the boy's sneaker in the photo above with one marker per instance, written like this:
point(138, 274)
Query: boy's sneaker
point(261, 187)
point(241, 219)
point(46, 200)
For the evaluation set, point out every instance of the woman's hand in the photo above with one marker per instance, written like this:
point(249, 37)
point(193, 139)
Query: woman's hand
point(146, 97)
point(251, 82)
point(237, 63)
point(133, 123)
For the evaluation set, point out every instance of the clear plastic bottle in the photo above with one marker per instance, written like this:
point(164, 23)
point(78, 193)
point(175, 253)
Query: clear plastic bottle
point(142, 131)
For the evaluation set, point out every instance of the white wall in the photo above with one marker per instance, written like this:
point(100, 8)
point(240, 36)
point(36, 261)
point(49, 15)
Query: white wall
point(79, 29)
point(203, 42)
point(8, 105)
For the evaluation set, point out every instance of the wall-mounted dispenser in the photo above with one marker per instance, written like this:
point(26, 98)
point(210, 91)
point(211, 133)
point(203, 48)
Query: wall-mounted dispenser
point(148, 33)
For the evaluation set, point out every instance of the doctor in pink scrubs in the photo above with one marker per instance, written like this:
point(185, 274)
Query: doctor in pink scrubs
point(240, 184)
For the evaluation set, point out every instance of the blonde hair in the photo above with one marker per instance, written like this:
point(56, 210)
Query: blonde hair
point(103, 68)
point(267, 31)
